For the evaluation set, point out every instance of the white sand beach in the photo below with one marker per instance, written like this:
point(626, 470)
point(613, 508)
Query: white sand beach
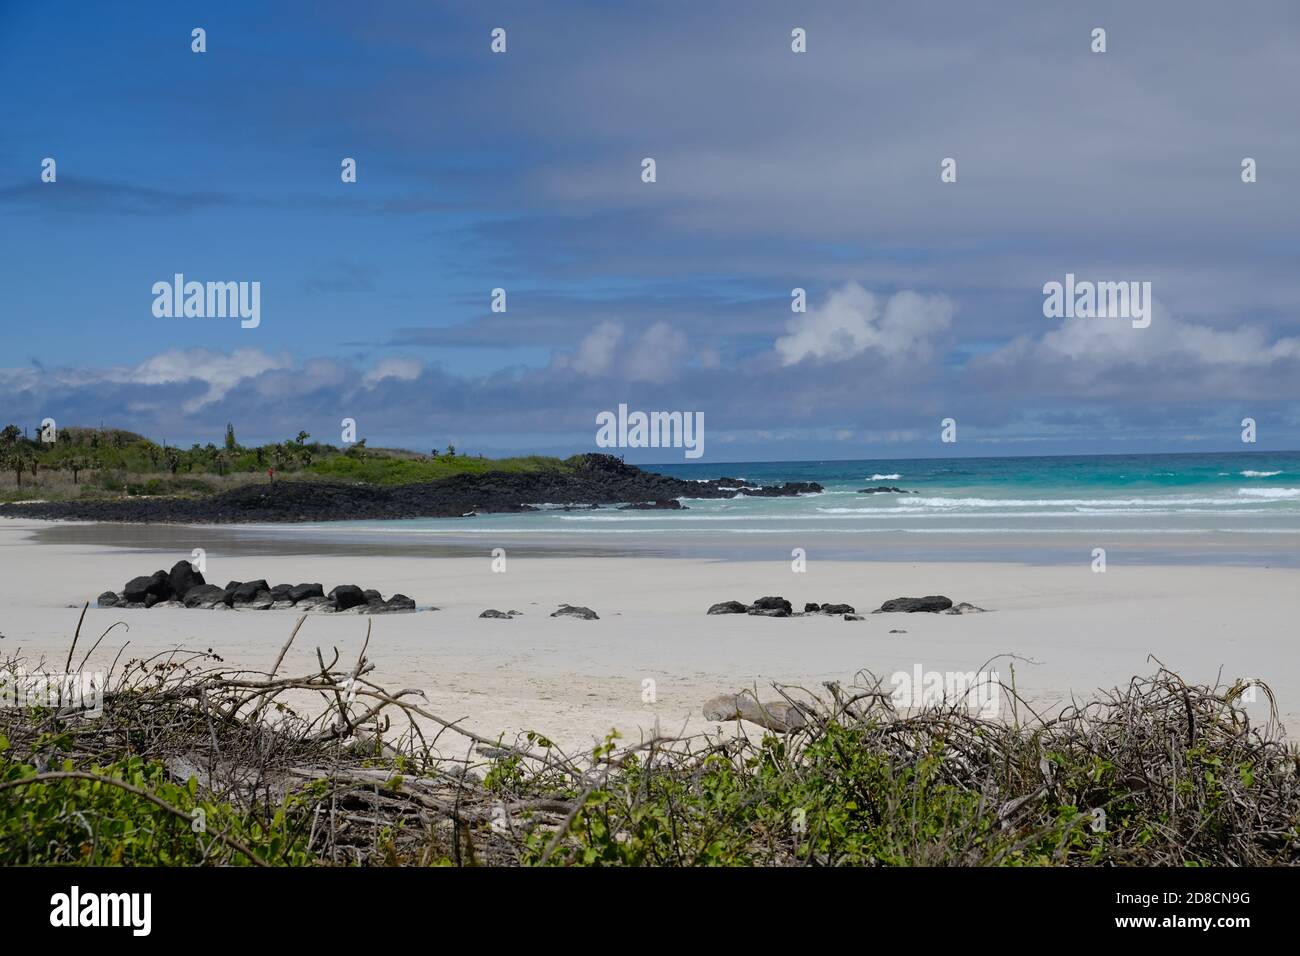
point(1070, 630)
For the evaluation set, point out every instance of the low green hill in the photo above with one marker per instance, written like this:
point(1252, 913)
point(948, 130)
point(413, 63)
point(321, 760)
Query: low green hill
point(108, 462)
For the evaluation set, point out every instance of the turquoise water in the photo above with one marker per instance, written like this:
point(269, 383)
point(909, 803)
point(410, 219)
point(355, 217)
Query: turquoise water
point(1143, 494)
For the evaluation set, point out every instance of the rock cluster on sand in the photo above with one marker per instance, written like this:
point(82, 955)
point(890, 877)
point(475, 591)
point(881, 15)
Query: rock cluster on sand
point(770, 607)
point(502, 615)
point(833, 609)
point(184, 587)
point(780, 607)
point(886, 489)
point(672, 504)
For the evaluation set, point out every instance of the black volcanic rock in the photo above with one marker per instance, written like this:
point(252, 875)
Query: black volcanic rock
point(729, 607)
point(582, 613)
point(671, 504)
point(300, 591)
point(592, 480)
point(932, 604)
point(789, 490)
point(204, 595)
point(153, 591)
point(839, 609)
point(181, 578)
point(886, 489)
point(346, 595)
point(771, 607)
point(261, 601)
point(137, 589)
point(248, 592)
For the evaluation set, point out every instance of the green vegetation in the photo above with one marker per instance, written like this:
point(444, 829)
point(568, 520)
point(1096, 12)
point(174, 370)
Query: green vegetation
point(377, 470)
point(130, 813)
point(100, 463)
point(1157, 773)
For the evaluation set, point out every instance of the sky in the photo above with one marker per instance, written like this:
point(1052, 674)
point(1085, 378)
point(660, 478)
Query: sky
point(774, 170)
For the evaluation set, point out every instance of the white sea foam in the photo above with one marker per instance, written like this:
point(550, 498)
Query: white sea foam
point(1259, 474)
point(884, 477)
point(1167, 500)
point(1273, 493)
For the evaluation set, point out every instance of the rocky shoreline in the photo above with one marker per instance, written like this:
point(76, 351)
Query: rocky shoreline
point(597, 480)
point(183, 586)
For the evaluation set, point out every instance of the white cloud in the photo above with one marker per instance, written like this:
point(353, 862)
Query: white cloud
point(1088, 345)
point(595, 353)
point(654, 356)
point(402, 369)
point(854, 320)
point(219, 371)
point(657, 355)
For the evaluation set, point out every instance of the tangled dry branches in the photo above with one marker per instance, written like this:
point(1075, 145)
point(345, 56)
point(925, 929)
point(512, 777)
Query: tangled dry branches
point(1157, 773)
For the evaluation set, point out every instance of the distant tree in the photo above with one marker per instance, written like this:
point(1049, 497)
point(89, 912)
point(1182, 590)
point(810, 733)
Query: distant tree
point(76, 466)
point(173, 461)
point(451, 451)
point(14, 459)
point(10, 435)
point(302, 437)
point(220, 461)
point(261, 456)
point(231, 444)
point(433, 453)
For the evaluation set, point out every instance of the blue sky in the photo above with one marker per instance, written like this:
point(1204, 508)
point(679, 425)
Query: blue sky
point(775, 170)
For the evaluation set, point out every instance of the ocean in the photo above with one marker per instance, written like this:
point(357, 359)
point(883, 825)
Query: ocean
point(1133, 494)
point(1230, 509)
